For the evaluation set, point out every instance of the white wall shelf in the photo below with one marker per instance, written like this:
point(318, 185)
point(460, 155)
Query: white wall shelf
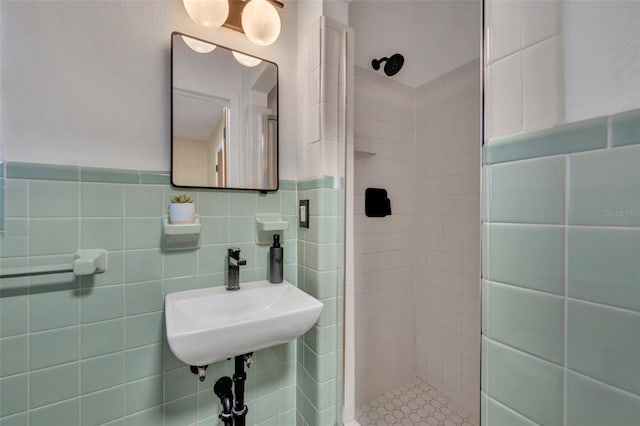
point(267, 225)
point(182, 236)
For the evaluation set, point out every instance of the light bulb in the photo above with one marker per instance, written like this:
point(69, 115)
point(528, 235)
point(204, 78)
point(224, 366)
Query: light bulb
point(208, 13)
point(198, 46)
point(246, 60)
point(261, 22)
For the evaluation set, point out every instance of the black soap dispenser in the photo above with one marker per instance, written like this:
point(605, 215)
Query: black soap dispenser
point(276, 261)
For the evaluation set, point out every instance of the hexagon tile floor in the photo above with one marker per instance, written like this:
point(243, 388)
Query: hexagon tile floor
point(414, 403)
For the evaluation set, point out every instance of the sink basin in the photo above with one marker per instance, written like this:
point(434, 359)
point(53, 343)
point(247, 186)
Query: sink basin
point(213, 324)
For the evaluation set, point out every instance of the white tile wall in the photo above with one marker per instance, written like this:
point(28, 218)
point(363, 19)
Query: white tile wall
point(448, 235)
point(540, 20)
point(525, 86)
point(543, 96)
point(383, 247)
point(417, 272)
point(504, 31)
point(506, 96)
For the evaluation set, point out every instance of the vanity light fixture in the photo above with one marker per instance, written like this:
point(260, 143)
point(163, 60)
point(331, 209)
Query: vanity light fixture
point(208, 13)
point(261, 22)
point(246, 60)
point(197, 45)
point(258, 19)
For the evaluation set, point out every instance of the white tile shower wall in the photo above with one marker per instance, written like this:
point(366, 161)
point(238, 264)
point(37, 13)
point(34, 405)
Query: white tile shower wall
point(383, 247)
point(447, 230)
point(525, 86)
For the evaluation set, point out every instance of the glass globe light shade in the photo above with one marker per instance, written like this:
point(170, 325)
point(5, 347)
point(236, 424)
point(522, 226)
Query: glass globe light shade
point(246, 60)
point(198, 46)
point(208, 13)
point(261, 22)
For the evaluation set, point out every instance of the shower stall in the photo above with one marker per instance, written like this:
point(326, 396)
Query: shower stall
point(503, 289)
point(417, 126)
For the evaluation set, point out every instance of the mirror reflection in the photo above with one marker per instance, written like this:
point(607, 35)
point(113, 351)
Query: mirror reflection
point(224, 117)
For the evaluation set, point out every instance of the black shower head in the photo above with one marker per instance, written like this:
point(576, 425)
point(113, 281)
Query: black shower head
point(393, 64)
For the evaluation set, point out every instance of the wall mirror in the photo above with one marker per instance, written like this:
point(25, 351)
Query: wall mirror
point(224, 117)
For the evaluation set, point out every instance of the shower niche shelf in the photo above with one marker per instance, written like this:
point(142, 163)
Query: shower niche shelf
point(364, 145)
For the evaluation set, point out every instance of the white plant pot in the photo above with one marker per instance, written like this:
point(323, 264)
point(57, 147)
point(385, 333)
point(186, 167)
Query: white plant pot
point(182, 213)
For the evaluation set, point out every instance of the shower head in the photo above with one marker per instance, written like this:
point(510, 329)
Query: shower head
point(393, 64)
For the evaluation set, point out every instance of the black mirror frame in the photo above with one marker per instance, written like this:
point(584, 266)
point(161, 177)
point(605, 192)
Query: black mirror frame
point(261, 190)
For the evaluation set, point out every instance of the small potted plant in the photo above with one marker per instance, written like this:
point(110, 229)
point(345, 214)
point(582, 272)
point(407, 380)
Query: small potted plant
point(181, 210)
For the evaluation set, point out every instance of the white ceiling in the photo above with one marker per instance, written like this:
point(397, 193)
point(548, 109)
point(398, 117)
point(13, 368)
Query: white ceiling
point(434, 36)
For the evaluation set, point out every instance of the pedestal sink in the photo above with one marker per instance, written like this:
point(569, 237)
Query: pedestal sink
point(213, 324)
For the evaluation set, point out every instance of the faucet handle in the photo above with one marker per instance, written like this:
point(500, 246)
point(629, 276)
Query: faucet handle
point(234, 257)
point(234, 253)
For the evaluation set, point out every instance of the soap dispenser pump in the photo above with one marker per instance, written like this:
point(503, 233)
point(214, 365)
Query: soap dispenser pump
point(275, 261)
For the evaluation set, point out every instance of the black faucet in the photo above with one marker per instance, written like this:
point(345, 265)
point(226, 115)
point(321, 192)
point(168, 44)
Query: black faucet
point(233, 268)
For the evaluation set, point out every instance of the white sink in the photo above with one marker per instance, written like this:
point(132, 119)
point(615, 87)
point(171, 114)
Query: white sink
point(210, 325)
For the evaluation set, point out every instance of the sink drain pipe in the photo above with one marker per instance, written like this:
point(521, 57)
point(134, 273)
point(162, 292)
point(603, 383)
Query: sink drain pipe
point(233, 414)
point(239, 377)
point(222, 389)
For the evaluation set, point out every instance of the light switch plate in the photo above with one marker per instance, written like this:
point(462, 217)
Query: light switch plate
point(303, 214)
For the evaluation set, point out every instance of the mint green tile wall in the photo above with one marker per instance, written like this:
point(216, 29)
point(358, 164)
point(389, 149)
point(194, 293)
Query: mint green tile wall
point(320, 273)
point(561, 296)
point(92, 351)
point(1, 197)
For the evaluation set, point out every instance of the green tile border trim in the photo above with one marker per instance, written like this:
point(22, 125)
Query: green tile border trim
point(94, 174)
point(315, 183)
point(2, 197)
point(17, 170)
point(625, 128)
point(155, 178)
point(287, 185)
point(566, 139)
point(1, 204)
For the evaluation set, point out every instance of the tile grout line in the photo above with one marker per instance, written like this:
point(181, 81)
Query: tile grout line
point(29, 233)
point(124, 292)
point(567, 198)
point(80, 286)
point(605, 384)
point(489, 195)
point(556, 225)
point(602, 306)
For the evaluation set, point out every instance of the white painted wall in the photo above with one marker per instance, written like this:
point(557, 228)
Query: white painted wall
point(601, 57)
point(434, 36)
point(88, 82)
